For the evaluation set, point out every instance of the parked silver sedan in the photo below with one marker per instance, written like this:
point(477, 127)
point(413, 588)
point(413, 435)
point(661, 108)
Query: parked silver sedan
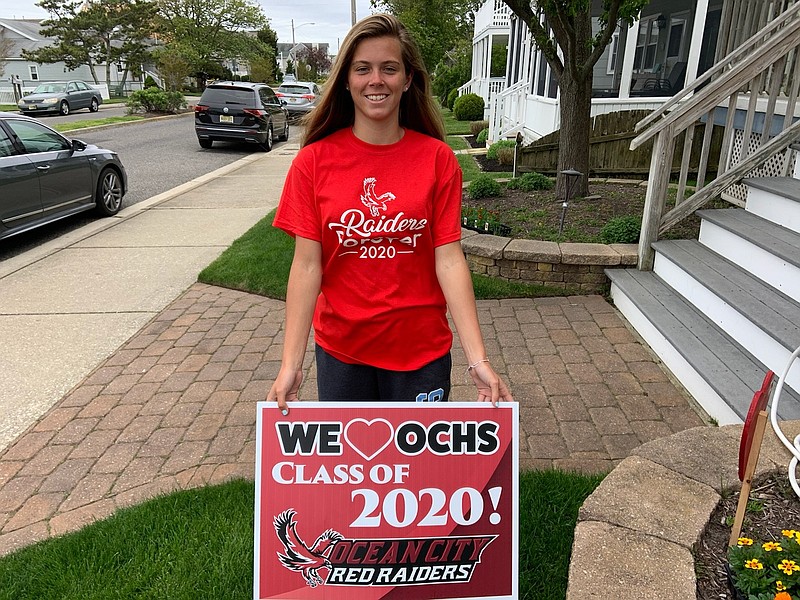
point(45, 177)
point(60, 97)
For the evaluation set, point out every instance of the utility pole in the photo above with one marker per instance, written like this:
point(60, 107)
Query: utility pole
point(352, 12)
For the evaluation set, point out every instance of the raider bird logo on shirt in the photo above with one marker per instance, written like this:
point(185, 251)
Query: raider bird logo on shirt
point(371, 200)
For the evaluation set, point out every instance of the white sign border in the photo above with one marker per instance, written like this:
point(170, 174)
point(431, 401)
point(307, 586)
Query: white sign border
point(293, 406)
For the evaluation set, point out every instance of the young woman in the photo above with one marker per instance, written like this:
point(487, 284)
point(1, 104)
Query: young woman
point(373, 200)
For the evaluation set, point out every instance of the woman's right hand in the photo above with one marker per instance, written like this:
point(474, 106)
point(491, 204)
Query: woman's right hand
point(285, 387)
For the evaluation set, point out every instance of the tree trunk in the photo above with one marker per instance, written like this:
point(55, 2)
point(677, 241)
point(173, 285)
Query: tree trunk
point(573, 141)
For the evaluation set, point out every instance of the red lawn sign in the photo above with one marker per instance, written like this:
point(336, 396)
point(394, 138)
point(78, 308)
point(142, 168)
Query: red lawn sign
point(381, 500)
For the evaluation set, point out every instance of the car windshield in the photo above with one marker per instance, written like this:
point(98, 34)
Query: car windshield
point(294, 89)
point(50, 88)
point(228, 95)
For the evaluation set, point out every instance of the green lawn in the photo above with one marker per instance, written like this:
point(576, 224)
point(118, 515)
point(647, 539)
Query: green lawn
point(198, 544)
point(259, 262)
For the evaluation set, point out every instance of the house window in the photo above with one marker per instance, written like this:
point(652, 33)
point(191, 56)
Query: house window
point(646, 45)
point(677, 27)
point(613, 47)
point(34, 71)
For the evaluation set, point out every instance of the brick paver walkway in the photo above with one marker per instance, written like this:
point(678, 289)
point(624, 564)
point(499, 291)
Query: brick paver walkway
point(174, 407)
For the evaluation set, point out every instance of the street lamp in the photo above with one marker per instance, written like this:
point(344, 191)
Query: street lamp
point(298, 27)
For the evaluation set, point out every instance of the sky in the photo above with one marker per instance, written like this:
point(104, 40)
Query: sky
point(330, 18)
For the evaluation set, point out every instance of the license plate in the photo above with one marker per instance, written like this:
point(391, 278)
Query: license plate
point(31, 106)
point(226, 118)
point(293, 100)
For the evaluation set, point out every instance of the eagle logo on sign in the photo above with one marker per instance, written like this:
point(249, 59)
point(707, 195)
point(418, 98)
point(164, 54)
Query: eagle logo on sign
point(298, 555)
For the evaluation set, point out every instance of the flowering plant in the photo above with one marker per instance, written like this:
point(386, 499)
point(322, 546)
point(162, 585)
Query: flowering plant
point(483, 220)
point(768, 570)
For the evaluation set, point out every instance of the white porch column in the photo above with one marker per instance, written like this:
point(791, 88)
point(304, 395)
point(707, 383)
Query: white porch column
point(627, 60)
point(700, 14)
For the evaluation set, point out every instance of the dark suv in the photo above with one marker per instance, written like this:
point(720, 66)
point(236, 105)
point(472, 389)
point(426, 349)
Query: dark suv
point(238, 111)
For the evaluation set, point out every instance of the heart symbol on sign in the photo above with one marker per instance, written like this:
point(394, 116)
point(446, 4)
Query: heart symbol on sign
point(369, 438)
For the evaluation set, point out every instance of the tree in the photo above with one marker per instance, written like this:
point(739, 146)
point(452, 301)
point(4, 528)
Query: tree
point(316, 62)
point(6, 46)
point(100, 32)
point(568, 29)
point(208, 32)
point(435, 25)
point(454, 70)
point(263, 68)
point(172, 67)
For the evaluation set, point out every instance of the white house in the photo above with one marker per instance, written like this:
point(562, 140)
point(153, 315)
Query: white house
point(287, 52)
point(25, 35)
point(721, 310)
point(672, 43)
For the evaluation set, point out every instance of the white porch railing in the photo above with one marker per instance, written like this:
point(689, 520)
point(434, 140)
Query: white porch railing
point(763, 75)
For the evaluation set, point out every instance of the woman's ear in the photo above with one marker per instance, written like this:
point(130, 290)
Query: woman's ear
point(408, 81)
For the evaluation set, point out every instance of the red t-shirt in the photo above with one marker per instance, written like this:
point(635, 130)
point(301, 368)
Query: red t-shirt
point(378, 212)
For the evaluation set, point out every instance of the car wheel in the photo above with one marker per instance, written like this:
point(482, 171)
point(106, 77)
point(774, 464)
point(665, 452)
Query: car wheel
point(205, 143)
point(108, 196)
point(267, 145)
point(64, 108)
point(94, 106)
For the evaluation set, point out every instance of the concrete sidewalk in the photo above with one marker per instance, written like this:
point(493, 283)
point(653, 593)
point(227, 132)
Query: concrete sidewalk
point(127, 379)
point(68, 304)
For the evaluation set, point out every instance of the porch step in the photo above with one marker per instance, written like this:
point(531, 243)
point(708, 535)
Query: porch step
point(770, 313)
point(776, 199)
point(764, 249)
point(717, 371)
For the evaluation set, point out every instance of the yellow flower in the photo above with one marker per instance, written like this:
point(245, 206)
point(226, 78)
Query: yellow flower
point(754, 564)
point(743, 541)
point(788, 566)
point(779, 586)
point(770, 546)
point(789, 533)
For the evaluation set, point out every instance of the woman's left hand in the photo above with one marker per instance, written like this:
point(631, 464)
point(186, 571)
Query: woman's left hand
point(490, 387)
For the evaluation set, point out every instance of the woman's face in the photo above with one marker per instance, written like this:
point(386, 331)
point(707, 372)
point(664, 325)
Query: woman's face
point(377, 79)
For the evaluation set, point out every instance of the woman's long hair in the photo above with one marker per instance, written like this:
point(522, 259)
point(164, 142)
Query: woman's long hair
point(418, 111)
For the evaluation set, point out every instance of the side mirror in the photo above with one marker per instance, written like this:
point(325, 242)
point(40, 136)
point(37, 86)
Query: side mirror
point(78, 145)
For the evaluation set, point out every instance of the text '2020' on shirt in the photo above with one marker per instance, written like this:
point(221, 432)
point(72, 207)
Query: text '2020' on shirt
point(378, 212)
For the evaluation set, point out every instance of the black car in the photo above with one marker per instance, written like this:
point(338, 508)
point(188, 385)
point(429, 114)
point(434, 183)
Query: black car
point(45, 176)
point(237, 111)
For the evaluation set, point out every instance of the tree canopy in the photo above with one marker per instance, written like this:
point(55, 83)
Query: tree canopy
point(95, 33)
point(208, 32)
point(436, 25)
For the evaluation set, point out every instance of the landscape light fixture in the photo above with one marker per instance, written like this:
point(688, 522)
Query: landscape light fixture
point(572, 178)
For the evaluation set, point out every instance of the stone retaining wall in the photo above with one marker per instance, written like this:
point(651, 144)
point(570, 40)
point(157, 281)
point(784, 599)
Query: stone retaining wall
point(569, 266)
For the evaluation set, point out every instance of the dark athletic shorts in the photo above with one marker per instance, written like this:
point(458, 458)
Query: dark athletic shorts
point(340, 381)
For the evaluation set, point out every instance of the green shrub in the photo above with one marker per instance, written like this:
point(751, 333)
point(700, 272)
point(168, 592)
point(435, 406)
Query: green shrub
point(452, 97)
point(505, 156)
point(468, 107)
point(483, 186)
point(482, 136)
point(491, 154)
point(621, 230)
point(155, 100)
point(475, 127)
point(530, 182)
point(150, 82)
